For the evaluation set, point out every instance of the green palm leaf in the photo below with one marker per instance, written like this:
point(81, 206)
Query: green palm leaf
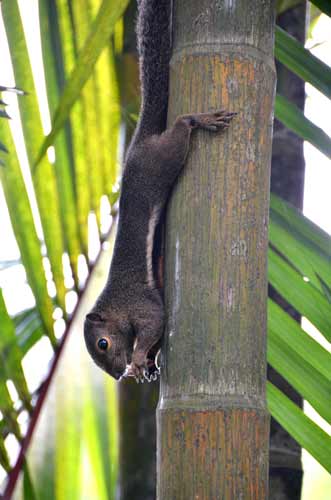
point(302, 251)
point(288, 332)
point(77, 121)
point(306, 432)
point(51, 47)
point(99, 35)
point(44, 179)
point(11, 355)
point(323, 5)
point(77, 150)
point(290, 115)
point(299, 60)
point(24, 228)
point(304, 296)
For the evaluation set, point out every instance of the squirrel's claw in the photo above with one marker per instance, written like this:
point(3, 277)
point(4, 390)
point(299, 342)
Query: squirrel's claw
point(158, 360)
point(146, 375)
point(141, 373)
point(213, 121)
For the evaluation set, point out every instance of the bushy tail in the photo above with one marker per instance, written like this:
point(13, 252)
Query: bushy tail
point(153, 34)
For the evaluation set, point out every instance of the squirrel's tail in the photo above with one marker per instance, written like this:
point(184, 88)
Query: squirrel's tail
point(153, 35)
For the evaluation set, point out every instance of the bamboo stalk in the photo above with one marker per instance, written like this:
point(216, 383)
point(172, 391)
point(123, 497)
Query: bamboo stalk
point(212, 419)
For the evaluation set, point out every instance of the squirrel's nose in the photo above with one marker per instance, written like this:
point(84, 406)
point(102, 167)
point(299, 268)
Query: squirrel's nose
point(117, 375)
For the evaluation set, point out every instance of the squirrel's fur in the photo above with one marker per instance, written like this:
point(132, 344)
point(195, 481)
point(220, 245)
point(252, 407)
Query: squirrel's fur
point(124, 329)
point(153, 38)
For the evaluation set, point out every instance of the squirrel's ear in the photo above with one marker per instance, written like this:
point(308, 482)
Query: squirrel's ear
point(95, 318)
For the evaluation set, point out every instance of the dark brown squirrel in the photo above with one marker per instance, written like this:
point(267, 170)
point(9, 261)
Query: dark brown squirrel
point(124, 329)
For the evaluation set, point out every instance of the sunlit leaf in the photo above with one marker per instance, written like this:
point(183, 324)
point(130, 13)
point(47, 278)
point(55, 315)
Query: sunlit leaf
point(292, 54)
point(7, 408)
point(78, 128)
point(25, 232)
point(101, 30)
point(305, 228)
point(302, 295)
point(46, 191)
point(303, 252)
point(11, 354)
point(91, 109)
point(307, 433)
point(4, 459)
point(52, 57)
point(29, 330)
point(29, 492)
point(289, 332)
point(110, 116)
point(291, 116)
point(310, 383)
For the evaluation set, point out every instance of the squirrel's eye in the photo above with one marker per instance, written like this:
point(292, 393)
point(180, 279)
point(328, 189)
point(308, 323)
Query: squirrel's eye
point(103, 344)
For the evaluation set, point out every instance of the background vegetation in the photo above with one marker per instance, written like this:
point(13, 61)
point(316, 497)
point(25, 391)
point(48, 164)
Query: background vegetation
point(61, 199)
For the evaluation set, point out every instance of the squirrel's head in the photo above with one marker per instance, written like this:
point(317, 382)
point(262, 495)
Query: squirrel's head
point(110, 343)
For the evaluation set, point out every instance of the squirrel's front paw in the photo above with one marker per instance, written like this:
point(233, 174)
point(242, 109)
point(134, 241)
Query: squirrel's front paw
point(213, 121)
point(141, 368)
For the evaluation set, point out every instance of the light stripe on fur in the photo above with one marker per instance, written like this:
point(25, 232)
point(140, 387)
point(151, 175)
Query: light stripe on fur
point(152, 223)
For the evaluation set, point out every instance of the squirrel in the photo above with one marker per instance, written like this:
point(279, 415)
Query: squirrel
point(124, 329)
